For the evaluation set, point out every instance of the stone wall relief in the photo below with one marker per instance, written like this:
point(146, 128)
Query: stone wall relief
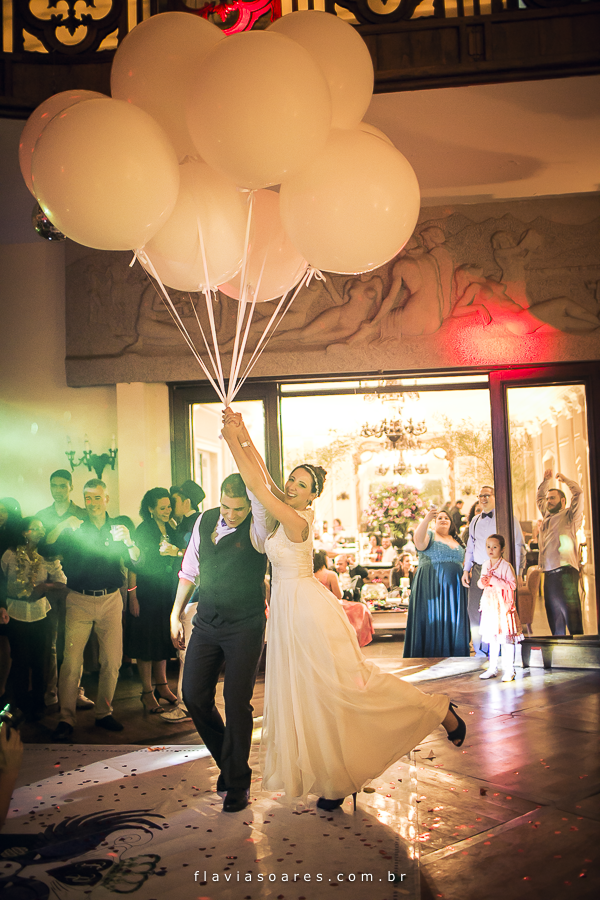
point(501, 274)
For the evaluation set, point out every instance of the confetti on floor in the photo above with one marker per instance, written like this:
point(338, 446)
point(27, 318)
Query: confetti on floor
point(95, 821)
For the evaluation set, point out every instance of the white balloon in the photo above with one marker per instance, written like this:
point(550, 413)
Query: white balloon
point(38, 120)
point(274, 265)
point(207, 204)
point(155, 64)
point(342, 55)
point(259, 108)
point(105, 174)
point(371, 129)
point(354, 207)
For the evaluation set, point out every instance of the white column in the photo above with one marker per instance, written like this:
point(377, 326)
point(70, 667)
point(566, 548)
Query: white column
point(143, 441)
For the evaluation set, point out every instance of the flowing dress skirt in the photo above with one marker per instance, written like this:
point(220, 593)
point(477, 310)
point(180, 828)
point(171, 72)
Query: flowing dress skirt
point(333, 720)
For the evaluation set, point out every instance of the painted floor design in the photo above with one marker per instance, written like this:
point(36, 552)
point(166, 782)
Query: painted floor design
point(99, 821)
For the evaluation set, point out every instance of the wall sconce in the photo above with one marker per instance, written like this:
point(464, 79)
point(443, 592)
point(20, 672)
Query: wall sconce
point(91, 460)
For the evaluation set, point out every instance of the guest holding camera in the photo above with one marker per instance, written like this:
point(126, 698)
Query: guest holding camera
point(438, 620)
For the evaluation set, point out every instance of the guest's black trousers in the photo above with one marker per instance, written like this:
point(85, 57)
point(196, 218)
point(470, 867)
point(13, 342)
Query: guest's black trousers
point(28, 642)
point(561, 598)
point(239, 646)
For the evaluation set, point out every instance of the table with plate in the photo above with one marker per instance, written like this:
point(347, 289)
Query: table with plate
point(389, 609)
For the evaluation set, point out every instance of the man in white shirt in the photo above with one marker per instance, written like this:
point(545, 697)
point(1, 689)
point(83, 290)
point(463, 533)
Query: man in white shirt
point(481, 527)
point(225, 558)
point(559, 556)
point(389, 552)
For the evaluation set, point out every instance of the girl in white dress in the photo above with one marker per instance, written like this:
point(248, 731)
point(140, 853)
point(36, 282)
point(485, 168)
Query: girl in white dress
point(500, 625)
point(332, 719)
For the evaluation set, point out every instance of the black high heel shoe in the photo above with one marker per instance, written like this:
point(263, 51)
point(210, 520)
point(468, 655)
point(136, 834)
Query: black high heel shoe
point(155, 709)
point(329, 805)
point(457, 737)
point(159, 696)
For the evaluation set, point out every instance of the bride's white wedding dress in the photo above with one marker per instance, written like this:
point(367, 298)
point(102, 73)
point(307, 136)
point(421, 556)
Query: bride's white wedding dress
point(332, 719)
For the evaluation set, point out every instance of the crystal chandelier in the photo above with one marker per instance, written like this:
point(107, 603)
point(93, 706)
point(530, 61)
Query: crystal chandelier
point(401, 435)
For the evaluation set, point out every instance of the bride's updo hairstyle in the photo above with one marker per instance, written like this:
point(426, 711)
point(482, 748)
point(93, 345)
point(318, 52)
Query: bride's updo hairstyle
point(318, 475)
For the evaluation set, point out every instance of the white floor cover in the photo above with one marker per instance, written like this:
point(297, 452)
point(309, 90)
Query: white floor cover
point(95, 821)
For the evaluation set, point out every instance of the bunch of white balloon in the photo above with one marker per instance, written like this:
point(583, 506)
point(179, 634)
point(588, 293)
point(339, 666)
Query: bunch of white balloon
point(198, 128)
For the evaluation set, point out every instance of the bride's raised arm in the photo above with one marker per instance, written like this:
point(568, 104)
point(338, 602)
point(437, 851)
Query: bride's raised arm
point(275, 489)
point(254, 476)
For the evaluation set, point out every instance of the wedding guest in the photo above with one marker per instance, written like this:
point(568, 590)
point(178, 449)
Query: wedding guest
point(11, 754)
point(388, 551)
point(29, 578)
point(500, 625)
point(438, 621)
point(559, 558)
point(61, 486)
point(151, 591)
point(474, 511)
point(403, 569)
point(358, 615)
point(409, 544)
point(480, 528)
point(10, 513)
point(456, 514)
point(375, 551)
point(185, 501)
point(95, 552)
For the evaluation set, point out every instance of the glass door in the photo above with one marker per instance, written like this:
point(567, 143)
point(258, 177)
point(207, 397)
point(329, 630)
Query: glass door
point(549, 444)
point(197, 450)
point(391, 448)
point(211, 459)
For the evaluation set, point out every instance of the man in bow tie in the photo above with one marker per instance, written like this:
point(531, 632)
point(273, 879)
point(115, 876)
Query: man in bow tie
point(481, 527)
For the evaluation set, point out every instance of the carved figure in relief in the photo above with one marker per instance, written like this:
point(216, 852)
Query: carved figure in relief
point(294, 318)
point(421, 293)
point(433, 238)
point(483, 296)
point(359, 304)
point(155, 323)
point(511, 254)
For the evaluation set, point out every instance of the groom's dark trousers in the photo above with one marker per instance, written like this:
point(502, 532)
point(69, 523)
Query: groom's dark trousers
point(228, 628)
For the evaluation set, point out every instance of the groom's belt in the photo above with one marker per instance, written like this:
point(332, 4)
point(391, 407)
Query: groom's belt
point(216, 620)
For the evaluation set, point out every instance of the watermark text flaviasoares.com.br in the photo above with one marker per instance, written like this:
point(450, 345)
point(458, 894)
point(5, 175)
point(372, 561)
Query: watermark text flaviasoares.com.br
point(204, 877)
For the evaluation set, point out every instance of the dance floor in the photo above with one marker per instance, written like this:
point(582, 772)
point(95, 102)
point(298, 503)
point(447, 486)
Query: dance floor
point(513, 813)
point(106, 820)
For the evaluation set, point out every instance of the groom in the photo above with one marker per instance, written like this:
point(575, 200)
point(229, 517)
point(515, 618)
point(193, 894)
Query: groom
point(226, 558)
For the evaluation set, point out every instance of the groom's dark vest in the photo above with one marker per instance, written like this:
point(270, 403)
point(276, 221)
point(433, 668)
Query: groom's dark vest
point(231, 574)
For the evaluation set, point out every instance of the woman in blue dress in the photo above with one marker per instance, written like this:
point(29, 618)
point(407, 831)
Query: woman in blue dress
point(438, 619)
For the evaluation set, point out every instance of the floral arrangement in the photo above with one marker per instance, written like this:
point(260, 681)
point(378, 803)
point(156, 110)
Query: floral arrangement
point(394, 506)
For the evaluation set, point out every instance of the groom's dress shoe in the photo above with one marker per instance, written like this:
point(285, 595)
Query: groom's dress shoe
point(236, 799)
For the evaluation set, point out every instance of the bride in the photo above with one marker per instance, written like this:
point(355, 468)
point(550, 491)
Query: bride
point(332, 720)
